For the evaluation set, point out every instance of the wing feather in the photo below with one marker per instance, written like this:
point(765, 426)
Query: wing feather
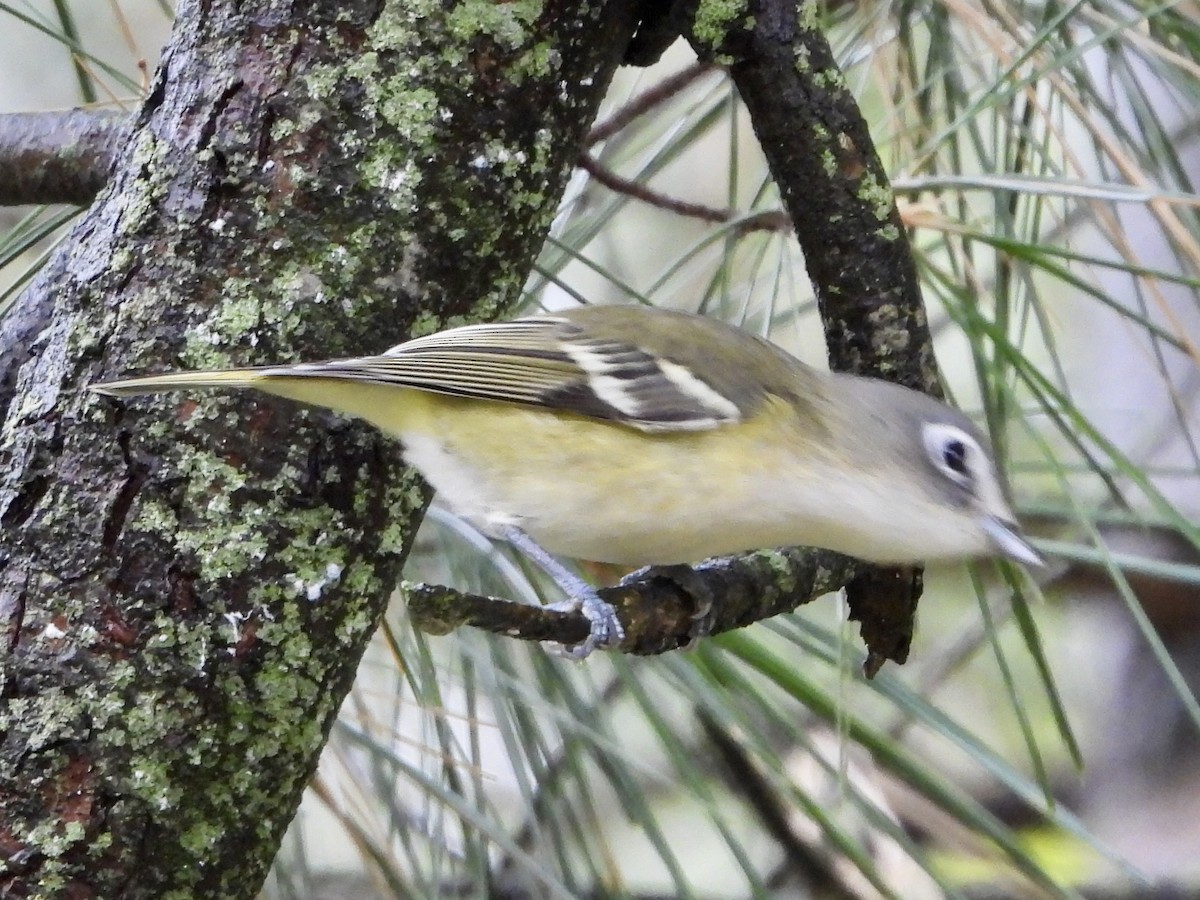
point(546, 361)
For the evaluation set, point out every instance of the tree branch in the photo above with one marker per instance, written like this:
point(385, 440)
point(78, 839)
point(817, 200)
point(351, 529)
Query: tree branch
point(656, 608)
point(58, 157)
point(771, 220)
point(647, 101)
point(836, 191)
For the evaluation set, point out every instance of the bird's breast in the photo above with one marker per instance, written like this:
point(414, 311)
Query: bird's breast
point(596, 490)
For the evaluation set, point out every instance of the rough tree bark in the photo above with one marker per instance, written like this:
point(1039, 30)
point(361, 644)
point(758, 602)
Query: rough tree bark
point(184, 604)
point(186, 586)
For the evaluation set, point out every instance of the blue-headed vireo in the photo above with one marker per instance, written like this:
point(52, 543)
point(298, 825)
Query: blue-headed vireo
point(632, 435)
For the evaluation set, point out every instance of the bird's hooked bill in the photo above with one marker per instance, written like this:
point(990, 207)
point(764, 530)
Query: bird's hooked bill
point(1008, 540)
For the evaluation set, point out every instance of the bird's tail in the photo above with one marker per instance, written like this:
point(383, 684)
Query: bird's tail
point(152, 384)
point(391, 407)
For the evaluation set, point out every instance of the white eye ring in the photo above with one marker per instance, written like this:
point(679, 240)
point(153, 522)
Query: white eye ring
point(952, 451)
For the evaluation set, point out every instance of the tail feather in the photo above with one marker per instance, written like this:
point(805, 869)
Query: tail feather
point(390, 407)
point(151, 384)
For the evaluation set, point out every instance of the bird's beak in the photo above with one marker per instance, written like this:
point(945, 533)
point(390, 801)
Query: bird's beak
point(1006, 537)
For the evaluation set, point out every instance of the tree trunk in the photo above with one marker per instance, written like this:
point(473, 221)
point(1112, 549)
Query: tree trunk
point(186, 585)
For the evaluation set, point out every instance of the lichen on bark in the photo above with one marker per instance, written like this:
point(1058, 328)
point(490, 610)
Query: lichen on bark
point(186, 583)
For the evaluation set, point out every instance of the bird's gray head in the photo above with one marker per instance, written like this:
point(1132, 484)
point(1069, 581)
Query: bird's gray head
point(964, 471)
point(951, 466)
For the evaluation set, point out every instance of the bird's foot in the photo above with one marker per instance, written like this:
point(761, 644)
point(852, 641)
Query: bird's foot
point(606, 630)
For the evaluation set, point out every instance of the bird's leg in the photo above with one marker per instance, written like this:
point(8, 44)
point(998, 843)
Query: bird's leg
point(606, 630)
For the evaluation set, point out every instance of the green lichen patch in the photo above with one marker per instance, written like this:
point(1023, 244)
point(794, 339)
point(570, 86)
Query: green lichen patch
point(508, 24)
point(716, 18)
point(829, 163)
point(138, 203)
point(877, 195)
point(808, 15)
point(778, 564)
point(830, 79)
point(803, 57)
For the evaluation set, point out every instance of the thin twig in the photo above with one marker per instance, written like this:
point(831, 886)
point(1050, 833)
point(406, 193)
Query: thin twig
point(769, 220)
point(646, 101)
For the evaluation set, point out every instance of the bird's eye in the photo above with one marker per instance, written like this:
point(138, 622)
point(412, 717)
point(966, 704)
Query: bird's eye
point(952, 451)
point(954, 455)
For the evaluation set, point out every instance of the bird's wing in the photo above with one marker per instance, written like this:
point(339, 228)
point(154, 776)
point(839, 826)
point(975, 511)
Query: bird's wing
point(547, 361)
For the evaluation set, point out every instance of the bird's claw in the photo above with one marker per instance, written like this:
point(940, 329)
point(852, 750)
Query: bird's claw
point(606, 630)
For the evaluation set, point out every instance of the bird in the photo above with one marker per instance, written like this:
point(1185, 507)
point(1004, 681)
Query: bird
point(636, 435)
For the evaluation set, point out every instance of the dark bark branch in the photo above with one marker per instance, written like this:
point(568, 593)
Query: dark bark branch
point(764, 221)
point(655, 606)
point(58, 157)
point(835, 188)
point(186, 585)
point(834, 185)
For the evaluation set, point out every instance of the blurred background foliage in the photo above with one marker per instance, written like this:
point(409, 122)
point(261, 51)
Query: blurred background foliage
point(1042, 739)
